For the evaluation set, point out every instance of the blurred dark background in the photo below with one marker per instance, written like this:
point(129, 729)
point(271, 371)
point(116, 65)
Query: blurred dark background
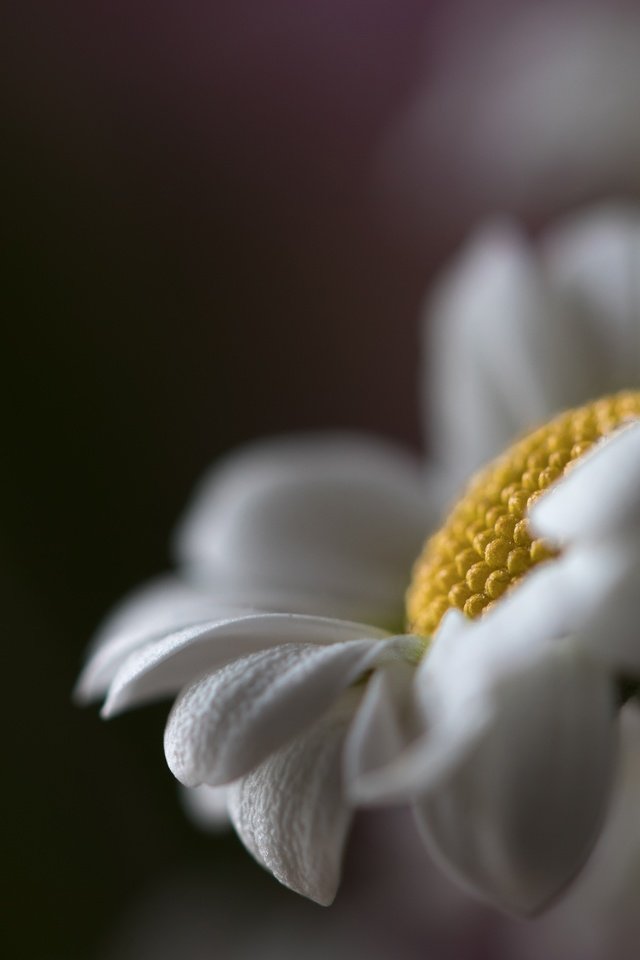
point(198, 255)
point(194, 260)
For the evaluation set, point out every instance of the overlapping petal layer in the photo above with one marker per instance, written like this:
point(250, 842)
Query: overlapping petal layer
point(164, 666)
point(507, 351)
point(163, 605)
point(327, 525)
point(227, 722)
point(517, 335)
point(290, 812)
point(598, 499)
point(506, 737)
point(518, 819)
point(593, 260)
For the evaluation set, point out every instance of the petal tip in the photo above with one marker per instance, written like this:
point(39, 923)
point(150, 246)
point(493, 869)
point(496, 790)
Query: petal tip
point(320, 890)
point(90, 684)
point(111, 707)
point(82, 693)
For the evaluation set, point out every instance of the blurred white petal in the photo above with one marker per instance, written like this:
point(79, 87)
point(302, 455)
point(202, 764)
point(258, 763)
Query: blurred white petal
point(529, 110)
point(599, 496)
point(380, 731)
point(593, 258)
point(207, 806)
point(589, 593)
point(594, 514)
point(164, 666)
point(607, 620)
point(290, 812)
point(163, 605)
point(518, 819)
point(226, 723)
point(598, 918)
point(504, 351)
point(328, 525)
point(556, 599)
point(411, 732)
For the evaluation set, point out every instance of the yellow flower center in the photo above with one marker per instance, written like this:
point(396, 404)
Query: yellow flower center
point(485, 545)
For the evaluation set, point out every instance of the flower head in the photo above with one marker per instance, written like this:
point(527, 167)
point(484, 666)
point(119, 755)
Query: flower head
point(496, 715)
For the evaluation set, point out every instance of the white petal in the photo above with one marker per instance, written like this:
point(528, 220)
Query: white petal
point(164, 666)
point(598, 918)
point(226, 723)
point(413, 728)
point(157, 608)
point(607, 623)
point(594, 258)
point(504, 351)
point(553, 601)
point(454, 690)
point(595, 512)
point(207, 806)
point(599, 497)
point(380, 731)
point(518, 819)
point(290, 812)
point(329, 523)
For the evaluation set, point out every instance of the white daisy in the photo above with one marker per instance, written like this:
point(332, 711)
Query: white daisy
point(327, 530)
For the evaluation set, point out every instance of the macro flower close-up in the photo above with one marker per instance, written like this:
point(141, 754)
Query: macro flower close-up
point(251, 680)
point(495, 709)
point(321, 539)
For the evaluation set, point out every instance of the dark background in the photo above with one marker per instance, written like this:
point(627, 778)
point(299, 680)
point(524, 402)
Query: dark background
point(194, 260)
point(197, 256)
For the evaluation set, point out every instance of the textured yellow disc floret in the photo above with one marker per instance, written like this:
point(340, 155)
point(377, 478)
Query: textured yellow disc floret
point(485, 545)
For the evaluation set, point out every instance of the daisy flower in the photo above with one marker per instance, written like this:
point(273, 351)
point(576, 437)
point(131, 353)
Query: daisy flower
point(496, 712)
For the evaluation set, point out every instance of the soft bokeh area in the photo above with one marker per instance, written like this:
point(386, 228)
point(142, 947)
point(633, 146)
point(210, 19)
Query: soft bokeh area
point(222, 222)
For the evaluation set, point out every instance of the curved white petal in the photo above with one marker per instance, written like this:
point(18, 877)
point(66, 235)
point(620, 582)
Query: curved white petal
point(380, 731)
point(207, 806)
point(594, 258)
point(401, 743)
point(504, 352)
point(331, 523)
point(164, 666)
point(607, 619)
point(599, 497)
point(290, 812)
point(595, 513)
point(163, 605)
point(517, 820)
point(227, 722)
point(557, 599)
point(598, 917)
point(414, 727)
